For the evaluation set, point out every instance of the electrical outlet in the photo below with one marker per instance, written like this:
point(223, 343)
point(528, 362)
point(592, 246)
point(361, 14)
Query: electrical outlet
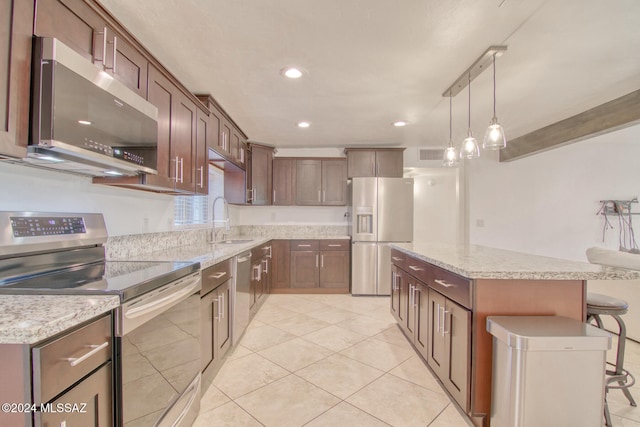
point(479, 222)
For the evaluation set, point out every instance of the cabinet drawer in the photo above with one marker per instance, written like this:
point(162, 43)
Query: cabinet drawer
point(454, 287)
point(264, 250)
point(304, 245)
point(334, 245)
point(419, 269)
point(398, 258)
point(66, 360)
point(215, 275)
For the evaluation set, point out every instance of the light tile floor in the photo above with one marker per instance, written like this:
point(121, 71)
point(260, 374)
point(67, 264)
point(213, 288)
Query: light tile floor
point(338, 360)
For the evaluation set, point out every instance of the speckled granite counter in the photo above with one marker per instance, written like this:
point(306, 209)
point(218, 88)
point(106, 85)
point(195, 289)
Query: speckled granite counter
point(208, 254)
point(481, 262)
point(27, 319)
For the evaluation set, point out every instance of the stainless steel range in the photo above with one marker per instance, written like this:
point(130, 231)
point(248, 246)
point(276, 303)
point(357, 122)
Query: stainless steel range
point(157, 326)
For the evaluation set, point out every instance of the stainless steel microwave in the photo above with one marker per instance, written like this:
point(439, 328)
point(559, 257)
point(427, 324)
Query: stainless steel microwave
point(84, 120)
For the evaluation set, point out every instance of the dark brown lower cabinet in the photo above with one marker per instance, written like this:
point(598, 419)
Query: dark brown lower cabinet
point(215, 313)
point(281, 265)
point(310, 266)
point(449, 353)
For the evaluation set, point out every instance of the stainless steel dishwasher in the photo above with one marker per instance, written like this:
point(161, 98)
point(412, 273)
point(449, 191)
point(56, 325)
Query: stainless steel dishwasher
point(242, 295)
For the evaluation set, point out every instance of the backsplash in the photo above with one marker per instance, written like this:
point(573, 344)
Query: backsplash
point(129, 246)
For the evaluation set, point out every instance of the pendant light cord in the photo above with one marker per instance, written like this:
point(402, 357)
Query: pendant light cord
point(469, 101)
point(450, 121)
point(494, 85)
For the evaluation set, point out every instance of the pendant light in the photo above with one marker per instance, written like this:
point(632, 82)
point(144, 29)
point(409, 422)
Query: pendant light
point(469, 148)
point(494, 137)
point(450, 157)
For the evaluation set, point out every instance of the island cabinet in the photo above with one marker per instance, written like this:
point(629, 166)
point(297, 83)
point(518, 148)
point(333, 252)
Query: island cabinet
point(15, 76)
point(369, 162)
point(444, 315)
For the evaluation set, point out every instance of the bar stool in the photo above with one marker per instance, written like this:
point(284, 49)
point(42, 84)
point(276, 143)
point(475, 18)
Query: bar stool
point(598, 305)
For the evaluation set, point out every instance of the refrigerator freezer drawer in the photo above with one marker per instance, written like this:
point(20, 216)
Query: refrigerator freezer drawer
point(364, 258)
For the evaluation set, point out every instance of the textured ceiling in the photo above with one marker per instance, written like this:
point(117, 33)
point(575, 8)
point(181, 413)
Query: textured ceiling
point(372, 62)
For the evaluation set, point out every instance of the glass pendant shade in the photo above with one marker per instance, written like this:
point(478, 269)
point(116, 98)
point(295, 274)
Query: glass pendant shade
point(469, 148)
point(494, 137)
point(450, 157)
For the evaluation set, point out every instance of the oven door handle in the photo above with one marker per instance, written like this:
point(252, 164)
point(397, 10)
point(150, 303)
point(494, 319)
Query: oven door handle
point(163, 302)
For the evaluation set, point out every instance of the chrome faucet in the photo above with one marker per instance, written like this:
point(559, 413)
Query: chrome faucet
point(227, 225)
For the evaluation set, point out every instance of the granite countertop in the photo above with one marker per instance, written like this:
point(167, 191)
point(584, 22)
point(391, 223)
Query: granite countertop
point(28, 319)
point(208, 254)
point(481, 262)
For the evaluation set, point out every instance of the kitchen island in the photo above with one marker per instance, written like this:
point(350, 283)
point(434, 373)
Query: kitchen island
point(442, 295)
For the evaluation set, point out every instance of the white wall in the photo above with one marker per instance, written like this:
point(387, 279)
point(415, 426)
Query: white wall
point(436, 217)
point(126, 211)
point(546, 204)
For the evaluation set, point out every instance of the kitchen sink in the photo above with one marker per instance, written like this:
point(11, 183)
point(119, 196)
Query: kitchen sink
point(232, 242)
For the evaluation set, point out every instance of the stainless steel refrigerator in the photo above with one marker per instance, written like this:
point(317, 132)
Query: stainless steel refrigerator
point(381, 212)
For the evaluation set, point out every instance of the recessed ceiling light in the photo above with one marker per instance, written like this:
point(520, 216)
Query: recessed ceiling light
point(292, 72)
point(84, 122)
point(399, 123)
point(304, 124)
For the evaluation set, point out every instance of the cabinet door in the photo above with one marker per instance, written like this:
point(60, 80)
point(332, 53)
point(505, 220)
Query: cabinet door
point(304, 269)
point(437, 344)
point(225, 137)
point(309, 182)
point(361, 163)
point(334, 182)
point(280, 265)
point(75, 24)
point(215, 122)
point(395, 293)
point(256, 279)
point(235, 145)
point(184, 142)
point(389, 163)
point(207, 305)
point(162, 94)
point(128, 65)
point(421, 319)
point(457, 331)
point(261, 175)
point(334, 269)
point(410, 323)
point(201, 179)
point(16, 19)
point(96, 391)
point(223, 321)
point(284, 172)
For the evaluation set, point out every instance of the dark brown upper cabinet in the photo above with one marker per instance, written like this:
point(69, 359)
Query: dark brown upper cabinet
point(259, 174)
point(321, 182)
point(284, 181)
point(15, 73)
point(368, 162)
point(82, 28)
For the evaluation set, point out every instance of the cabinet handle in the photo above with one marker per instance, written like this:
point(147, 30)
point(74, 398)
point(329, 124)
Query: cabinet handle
point(304, 246)
point(415, 289)
point(258, 268)
point(74, 361)
point(444, 327)
point(335, 246)
point(221, 306)
point(322, 261)
point(266, 268)
point(443, 283)
point(201, 169)
point(270, 251)
point(324, 196)
point(104, 47)
point(181, 170)
point(393, 281)
point(218, 275)
point(175, 174)
point(411, 295)
point(437, 313)
point(216, 301)
point(274, 196)
point(414, 268)
point(241, 155)
point(114, 56)
point(395, 258)
point(444, 314)
point(254, 191)
point(316, 260)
